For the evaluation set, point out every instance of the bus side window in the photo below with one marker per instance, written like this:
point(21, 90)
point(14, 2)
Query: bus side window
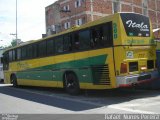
point(6, 61)
point(67, 42)
point(35, 50)
point(76, 41)
point(18, 53)
point(108, 34)
point(101, 36)
point(42, 49)
point(30, 51)
point(97, 37)
point(14, 55)
point(24, 52)
point(10, 56)
point(59, 44)
point(50, 47)
point(84, 38)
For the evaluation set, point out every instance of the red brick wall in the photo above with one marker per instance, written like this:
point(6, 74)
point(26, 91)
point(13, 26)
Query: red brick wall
point(73, 10)
point(152, 16)
point(151, 4)
point(158, 5)
point(102, 6)
point(49, 19)
point(137, 2)
point(137, 10)
point(158, 17)
point(126, 8)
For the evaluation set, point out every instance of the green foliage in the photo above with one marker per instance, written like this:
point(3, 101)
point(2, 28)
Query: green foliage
point(14, 42)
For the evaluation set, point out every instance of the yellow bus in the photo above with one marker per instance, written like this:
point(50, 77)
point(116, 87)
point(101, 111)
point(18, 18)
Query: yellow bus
point(115, 51)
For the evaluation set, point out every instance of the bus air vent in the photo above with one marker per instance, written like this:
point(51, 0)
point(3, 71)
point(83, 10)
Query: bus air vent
point(100, 75)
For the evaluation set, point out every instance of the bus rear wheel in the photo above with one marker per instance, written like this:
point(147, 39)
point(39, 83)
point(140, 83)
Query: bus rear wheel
point(14, 81)
point(71, 84)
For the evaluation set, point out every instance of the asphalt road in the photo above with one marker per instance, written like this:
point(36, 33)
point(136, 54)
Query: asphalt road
point(30, 100)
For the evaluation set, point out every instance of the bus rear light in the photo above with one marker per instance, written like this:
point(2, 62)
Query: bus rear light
point(123, 68)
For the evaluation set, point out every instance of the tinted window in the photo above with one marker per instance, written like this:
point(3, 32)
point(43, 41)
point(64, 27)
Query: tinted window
point(76, 41)
point(14, 55)
point(136, 25)
point(67, 41)
point(24, 52)
point(18, 53)
point(101, 36)
point(59, 44)
point(10, 56)
point(84, 39)
point(50, 47)
point(107, 34)
point(35, 50)
point(30, 51)
point(6, 61)
point(42, 48)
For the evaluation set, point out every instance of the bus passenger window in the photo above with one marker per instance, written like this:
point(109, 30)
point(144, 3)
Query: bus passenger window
point(24, 53)
point(108, 34)
point(42, 49)
point(10, 56)
point(76, 41)
point(30, 51)
point(18, 53)
point(50, 47)
point(84, 38)
point(97, 37)
point(101, 36)
point(14, 55)
point(6, 61)
point(67, 43)
point(35, 50)
point(59, 44)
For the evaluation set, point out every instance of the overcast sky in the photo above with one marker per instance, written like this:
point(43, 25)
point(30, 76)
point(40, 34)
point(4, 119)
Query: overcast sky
point(31, 19)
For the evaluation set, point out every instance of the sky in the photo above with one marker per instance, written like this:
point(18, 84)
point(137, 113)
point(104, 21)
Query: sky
point(30, 19)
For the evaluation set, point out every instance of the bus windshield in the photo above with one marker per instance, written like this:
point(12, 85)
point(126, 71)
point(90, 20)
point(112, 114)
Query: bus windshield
point(136, 25)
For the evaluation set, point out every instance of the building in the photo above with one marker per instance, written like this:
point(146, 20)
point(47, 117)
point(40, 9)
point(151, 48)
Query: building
point(53, 20)
point(64, 14)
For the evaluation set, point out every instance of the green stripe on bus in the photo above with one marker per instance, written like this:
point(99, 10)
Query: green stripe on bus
point(49, 71)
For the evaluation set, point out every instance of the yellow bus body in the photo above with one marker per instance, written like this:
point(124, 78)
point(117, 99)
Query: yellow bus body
point(127, 51)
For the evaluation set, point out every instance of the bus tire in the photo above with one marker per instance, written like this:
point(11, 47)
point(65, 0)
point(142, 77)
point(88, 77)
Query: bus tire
point(14, 81)
point(71, 84)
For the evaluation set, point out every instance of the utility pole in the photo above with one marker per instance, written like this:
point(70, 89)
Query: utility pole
point(16, 24)
point(91, 3)
point(16, 19)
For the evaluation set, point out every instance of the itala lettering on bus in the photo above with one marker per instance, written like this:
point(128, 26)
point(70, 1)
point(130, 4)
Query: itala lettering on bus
point(141, 26)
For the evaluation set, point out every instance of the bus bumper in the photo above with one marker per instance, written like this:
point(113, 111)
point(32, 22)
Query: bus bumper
point(131, 80)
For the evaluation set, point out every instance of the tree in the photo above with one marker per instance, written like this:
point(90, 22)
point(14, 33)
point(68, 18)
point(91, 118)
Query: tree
point(14, 42)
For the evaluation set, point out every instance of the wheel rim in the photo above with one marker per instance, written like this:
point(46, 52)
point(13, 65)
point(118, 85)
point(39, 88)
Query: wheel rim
point(70, 82)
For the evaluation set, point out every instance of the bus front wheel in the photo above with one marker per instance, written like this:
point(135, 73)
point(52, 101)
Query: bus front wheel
point(71, 84)
point(14, 80)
